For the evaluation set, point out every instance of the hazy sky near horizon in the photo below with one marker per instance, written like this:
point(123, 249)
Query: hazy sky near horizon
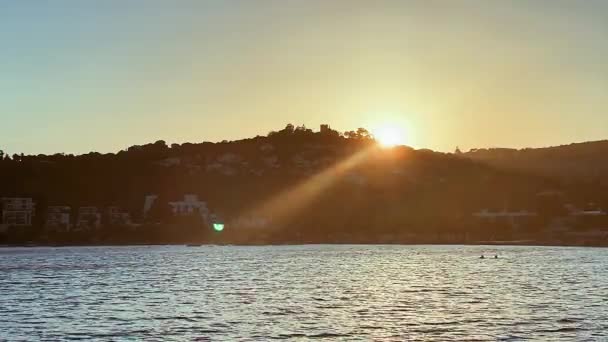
point(79, 76)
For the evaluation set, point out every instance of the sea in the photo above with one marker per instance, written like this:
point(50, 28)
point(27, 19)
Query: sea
point(307, 292)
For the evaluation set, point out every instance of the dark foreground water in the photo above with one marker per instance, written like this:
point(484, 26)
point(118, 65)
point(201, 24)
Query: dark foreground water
point(303, 292)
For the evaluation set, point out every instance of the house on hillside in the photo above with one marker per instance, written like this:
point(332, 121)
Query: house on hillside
point(266, 147)
point(88, 218)
point(18, 211)
point(214, 166)
point(300, 162)
point(591, 211)
point(513, 219)
point(229, 158)
point(168, 162)
point(271, 162)
point(492, 215)
point(148, 203)
point(117, 216)
point(58, 218)
point(591, 217)
point(190, 205)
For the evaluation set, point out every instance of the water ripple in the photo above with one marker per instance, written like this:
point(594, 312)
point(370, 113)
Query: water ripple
point(387, 293)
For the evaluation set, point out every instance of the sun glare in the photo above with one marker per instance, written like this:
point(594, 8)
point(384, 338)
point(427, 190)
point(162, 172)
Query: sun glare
point(389, 136)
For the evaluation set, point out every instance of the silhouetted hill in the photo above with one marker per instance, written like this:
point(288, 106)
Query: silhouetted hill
point(580, 165)
point(315, 187)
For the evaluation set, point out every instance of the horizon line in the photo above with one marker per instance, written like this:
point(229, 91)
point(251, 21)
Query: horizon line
point(416, 148)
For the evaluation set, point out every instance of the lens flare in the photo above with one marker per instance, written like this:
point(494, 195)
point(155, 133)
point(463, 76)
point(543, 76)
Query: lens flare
point(218, 227)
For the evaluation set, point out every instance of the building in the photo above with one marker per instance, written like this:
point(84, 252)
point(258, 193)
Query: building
point(591, 211)
point(250, 221)
point(266, 147)
point(503, 214)
point(58, 218)
point(228, 158)
point(188, 206)
point(325, 128)
point(514, 219)
point(18, 211)
point(148, 203)
point(590, 217)
point(117, 216)
point(88, 217)
point(168, 162)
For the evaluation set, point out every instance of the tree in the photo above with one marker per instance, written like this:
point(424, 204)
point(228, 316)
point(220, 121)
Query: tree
point(302, 130)
point(360, 134)
point(289, 129)
point(350, 134)
point(364, 133)
point(285, 132)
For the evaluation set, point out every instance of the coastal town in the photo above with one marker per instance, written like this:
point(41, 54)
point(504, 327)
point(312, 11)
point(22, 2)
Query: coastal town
point(20, 213)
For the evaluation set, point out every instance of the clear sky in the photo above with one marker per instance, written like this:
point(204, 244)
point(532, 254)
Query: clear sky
point(79, 76)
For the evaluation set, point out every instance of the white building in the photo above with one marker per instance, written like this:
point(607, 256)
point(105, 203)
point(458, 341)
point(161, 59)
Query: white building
point(88, 217)
point(593, 211)
point(271, 161)
point(503, 214)
point(588, 213)
point(300, 161)
point(168, 162)
point(18, 211)
point(188, 206)
point(58, 218)
point(229, 158)
point(514, 218)
point(117, 216)
point(148, 202)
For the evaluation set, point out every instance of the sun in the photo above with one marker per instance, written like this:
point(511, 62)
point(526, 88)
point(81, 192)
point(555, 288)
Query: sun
point(389, 135)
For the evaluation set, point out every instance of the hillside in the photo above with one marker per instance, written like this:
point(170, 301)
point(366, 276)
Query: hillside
point(583, 167)
point(312, 186)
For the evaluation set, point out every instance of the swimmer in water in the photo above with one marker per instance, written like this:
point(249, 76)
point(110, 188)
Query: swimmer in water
point(482, 257)
point(495, 256)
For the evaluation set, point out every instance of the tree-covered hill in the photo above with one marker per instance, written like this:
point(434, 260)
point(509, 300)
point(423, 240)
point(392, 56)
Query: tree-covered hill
point(313, 185)
point(582, 167)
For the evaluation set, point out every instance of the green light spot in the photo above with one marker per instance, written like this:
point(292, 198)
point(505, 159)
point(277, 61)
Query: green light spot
point(218, 227)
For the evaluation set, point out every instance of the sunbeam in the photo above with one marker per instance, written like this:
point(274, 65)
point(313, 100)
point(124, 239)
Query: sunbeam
point(283, 206)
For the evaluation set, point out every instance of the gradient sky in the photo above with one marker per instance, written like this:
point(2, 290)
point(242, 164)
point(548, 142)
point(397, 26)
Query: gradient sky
point(77, 76)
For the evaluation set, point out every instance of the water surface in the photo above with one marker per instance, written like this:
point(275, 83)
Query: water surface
point(303, 292)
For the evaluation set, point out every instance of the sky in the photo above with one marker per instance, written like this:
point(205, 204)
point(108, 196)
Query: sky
point(79, 76)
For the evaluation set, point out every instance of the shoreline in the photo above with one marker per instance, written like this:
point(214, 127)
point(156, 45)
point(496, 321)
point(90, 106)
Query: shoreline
point(528, 243)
